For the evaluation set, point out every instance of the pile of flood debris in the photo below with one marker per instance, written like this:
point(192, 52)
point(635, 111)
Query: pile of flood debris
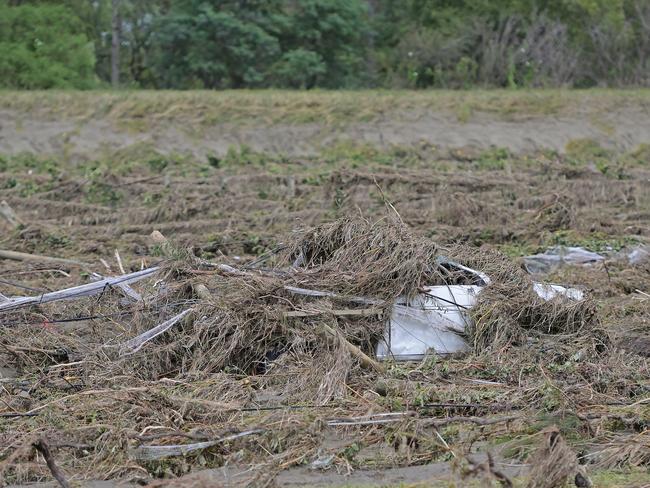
point(203, 358)
point(345, 292)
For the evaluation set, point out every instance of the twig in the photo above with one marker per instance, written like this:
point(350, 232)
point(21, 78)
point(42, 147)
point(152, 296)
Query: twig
point(363, 358)
point(42, 447)
point(642, 293)
point(364, 312)
point(471, 420)
point(17, 414)
point(134, 345)
point(21, 286)
point(119, 261)
point(444, 442)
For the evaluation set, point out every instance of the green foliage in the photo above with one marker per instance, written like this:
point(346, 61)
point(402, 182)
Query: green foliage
point(200, 45)
point(336, 30)
point(299, 68)
point(228, 44)
point(242, 156)
point(327, 43)
point(493, 158)
point(44, 46)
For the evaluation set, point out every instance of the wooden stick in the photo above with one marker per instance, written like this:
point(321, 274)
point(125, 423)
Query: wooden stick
point(134, 345)
point(364, 312)
point(42, 447)
point(118, 258)
point(363, 358)
point(23, 256)
point(126, 289)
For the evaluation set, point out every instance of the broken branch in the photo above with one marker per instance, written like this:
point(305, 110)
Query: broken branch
point(42, 447)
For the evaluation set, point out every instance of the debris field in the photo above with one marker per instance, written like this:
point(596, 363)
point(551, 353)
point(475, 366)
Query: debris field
point(170, 318)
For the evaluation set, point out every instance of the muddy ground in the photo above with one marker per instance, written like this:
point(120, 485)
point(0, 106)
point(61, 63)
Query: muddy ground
point(84, 190)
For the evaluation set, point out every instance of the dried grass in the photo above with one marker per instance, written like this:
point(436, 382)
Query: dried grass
point(239, 350)
point(553, 463)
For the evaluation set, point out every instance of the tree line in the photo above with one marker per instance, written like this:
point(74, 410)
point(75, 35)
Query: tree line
point(216, 44)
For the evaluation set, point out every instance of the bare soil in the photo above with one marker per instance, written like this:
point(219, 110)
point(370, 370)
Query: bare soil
point(621, 131)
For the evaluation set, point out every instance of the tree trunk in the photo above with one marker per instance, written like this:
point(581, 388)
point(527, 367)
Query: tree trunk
point(115, 45)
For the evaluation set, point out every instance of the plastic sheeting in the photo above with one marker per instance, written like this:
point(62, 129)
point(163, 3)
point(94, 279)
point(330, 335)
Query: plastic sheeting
point(559, 256)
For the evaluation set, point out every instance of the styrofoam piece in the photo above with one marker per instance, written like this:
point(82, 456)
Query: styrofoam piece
point(548, 292)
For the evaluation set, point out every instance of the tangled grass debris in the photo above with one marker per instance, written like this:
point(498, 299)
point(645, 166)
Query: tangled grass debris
point(270, 365)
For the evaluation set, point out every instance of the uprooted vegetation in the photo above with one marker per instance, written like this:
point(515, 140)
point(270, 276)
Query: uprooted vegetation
point(256, 373)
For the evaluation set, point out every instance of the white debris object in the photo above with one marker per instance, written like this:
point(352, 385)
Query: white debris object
point(558, 256)
point(638, 254)
point(435, 320)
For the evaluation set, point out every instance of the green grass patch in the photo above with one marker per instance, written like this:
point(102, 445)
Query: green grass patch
point(595, 241)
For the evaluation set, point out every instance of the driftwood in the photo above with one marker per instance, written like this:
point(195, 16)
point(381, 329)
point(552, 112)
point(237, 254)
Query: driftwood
point(23, 256)
point(86, 290)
